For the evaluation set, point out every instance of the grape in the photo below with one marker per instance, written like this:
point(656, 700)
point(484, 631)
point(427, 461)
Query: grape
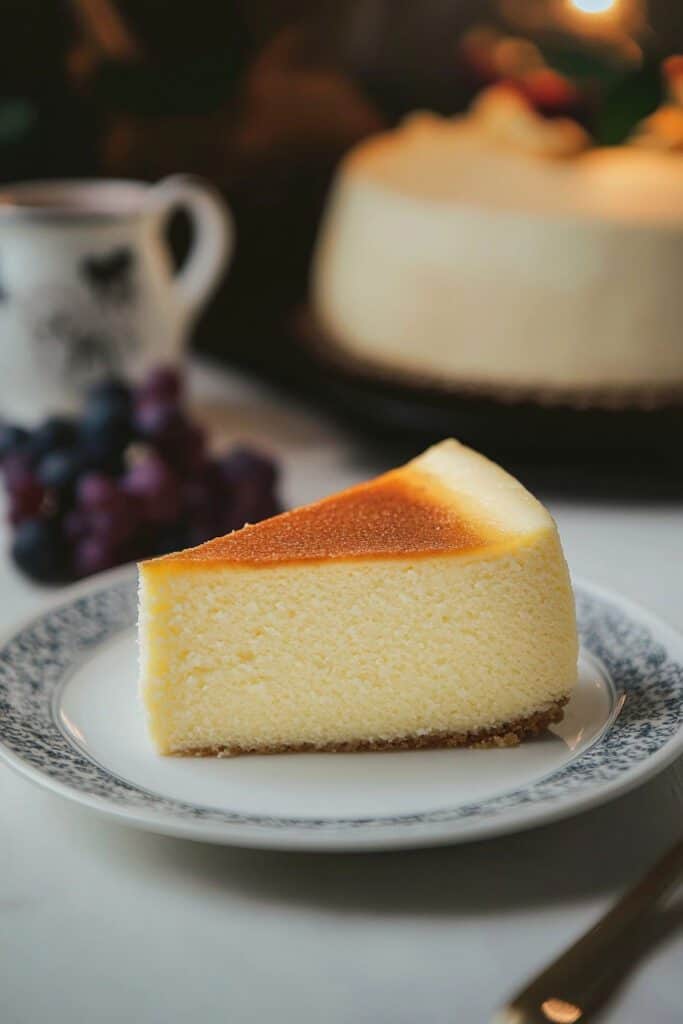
point(76, 524)
point(163, 382)
point(112, 464)
point(243, 468)
point(187, 453)
point(248, 479)
point(202, 506)
point(55, 432)
point(12, 440)
point(156, 490)
point(159, 421)
point(105, 429)
point(59, 469)
point(107, 511)
point(14, 467)
point(18, 474)
point(93, 554)
point(117, 522)
point(77, 509)
point(106, 424)
point(38, 549)
point(26, 497)
point(199, 495)
point(96, 490)
point(252, 510)
point(115, 525)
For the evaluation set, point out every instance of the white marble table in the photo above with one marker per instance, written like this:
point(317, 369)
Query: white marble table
point(100, 923)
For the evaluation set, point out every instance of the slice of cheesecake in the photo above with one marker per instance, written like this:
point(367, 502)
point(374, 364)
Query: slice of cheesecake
point(428, 607)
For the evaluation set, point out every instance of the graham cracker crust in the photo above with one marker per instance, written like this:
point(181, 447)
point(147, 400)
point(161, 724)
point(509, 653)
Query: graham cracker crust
point(510, 734)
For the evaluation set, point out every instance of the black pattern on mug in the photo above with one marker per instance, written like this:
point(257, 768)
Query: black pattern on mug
point(110, 276)
point(81, 338)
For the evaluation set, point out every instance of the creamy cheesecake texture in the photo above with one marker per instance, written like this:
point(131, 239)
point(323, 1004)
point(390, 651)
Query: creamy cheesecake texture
point(496, 251)
point(431, 605)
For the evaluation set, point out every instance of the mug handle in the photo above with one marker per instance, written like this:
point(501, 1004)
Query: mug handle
point(213, 236)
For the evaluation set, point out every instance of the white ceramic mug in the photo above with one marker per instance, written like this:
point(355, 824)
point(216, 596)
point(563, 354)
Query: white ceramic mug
point(87, 285)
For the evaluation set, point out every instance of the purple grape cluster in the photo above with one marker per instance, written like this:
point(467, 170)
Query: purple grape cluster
point(130, 479)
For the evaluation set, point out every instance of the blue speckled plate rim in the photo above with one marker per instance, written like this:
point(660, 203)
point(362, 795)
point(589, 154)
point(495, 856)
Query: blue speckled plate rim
point(641, 654)
point(614, 697)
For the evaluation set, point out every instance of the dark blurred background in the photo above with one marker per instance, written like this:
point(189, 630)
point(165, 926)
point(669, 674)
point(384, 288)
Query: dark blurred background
point(261, 97)
point(264, 98)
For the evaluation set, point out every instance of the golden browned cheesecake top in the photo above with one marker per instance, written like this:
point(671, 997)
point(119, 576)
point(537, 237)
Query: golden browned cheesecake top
point(404, 512)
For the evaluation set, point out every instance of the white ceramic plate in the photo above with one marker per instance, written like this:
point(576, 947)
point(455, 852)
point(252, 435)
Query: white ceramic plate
point(70, 720)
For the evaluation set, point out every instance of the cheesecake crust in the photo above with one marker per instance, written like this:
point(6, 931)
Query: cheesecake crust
point(509, 734)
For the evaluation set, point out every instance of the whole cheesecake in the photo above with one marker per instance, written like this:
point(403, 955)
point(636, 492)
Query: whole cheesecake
point(428, 607)
point(500, 254)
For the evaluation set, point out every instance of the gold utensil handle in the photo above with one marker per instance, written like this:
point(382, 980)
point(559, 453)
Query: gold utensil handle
point(580, 980)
